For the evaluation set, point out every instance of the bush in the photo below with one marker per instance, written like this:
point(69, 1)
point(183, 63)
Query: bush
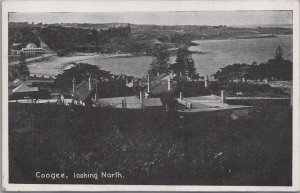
point(150, 147)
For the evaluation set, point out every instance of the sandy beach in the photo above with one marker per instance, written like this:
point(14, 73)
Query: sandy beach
point(55, 65)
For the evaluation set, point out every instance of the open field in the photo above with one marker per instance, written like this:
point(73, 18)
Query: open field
point(151, 147)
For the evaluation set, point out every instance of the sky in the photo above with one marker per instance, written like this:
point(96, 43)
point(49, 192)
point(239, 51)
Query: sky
point(229, 18)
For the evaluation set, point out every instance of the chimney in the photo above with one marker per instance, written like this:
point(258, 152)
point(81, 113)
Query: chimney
point(180, 95)
point(169, 83)
point(206, 81)
point(223, 97)
point(90, 84)
point(148, 84)
point(157, 74)
point(141, 97)
point(180, 74)
point(73, 83)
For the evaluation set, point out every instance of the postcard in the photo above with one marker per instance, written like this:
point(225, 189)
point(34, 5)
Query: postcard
point(150, 96)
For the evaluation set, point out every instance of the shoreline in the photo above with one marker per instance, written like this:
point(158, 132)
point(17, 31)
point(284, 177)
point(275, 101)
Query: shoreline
point(56, 65)
point(195, 42)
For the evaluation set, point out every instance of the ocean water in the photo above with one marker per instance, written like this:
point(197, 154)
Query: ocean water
point(219, 53)
point(132, 66)
point(224, 52)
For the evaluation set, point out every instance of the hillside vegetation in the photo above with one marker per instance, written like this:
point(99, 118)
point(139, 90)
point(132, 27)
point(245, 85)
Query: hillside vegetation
point(128, 38)
point(151, 147)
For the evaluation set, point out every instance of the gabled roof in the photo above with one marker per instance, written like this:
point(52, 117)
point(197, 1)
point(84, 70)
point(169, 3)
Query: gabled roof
point(82, 91)
point(152, 102)
point(162, 87)
point(154, 80)
point(107, 89)
point(23, 88)
point(29, 82)
point(18, 82)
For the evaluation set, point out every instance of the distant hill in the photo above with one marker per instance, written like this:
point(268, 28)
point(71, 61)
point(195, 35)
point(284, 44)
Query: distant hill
point(266, 26)
point(133, 38)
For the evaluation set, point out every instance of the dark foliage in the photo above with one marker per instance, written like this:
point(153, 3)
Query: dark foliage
point(71, 39)
point(160, 63)
point(274, 69)
point(22, 35)
point(115, 88)
point(80, 72)
point(151, 147)
point(19, 70)
point(233, 72)
point(184, 63)
point(192, 89)
point(62, 38)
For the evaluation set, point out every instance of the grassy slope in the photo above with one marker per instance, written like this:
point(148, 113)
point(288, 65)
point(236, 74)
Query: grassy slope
point(151, 148)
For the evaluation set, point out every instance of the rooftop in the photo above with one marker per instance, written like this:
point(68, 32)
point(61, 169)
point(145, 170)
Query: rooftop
point(23, 88)
point(82, 90)
point(131, 102)
point(31, 45)
point(152, 102)
point(206, 103)
point(162, 87)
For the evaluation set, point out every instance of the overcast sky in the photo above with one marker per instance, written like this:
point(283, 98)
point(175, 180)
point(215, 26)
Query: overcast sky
point(230, 18)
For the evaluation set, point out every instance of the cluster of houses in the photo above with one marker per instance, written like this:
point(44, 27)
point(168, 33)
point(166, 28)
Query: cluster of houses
point(165, 92)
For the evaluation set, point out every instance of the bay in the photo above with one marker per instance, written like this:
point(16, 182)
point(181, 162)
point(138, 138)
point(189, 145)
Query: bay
point(219, 53)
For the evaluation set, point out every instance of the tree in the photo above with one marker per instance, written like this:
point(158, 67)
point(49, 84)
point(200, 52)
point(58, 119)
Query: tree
point(13, 72)
point(233, 72)
point(184, 63)
point(279, 53)
point(190, 68)
point(23, 69)
point(80, 72)
point(160, 63)
point(277, 68)
point(19, 70)
point(274, 69)
point(94, 38)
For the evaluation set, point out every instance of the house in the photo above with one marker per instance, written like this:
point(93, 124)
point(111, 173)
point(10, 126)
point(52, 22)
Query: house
point(30, 88)
point(112, 94)
point(24, 92)
point(18, 82)
point(84, 92)
point(42, 83)
point(31, 48)
point(87, 92)
point(158, 86)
